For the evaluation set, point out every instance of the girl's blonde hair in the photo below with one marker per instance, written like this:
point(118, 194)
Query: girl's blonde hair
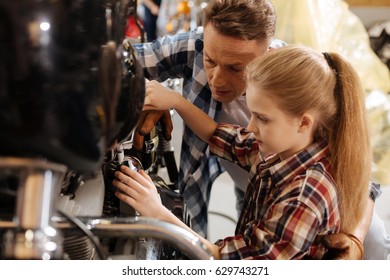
point(300, 80)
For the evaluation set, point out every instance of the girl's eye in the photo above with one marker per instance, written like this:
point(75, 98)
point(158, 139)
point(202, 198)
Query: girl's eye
point(262, 119)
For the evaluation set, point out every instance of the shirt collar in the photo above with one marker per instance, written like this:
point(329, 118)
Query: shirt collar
point(283, 171)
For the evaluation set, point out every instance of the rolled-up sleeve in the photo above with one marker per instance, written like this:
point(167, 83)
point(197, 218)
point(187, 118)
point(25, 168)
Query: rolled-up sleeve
point(235, 144)
point(374, 190)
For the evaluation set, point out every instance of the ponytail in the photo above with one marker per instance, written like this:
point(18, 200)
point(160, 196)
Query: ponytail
point(349, 143)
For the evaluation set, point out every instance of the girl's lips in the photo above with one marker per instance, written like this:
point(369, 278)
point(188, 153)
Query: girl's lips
point(259, 142)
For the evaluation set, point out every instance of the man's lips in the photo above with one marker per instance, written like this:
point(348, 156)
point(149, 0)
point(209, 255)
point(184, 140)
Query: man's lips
point(221, 92)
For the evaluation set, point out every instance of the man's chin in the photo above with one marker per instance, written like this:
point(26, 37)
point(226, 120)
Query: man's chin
point(223, 99)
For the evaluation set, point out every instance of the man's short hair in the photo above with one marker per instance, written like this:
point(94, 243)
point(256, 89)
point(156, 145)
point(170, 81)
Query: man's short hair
point(246, 19)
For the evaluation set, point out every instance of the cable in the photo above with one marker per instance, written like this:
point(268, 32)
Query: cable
point(84, 229)
point(224, 216)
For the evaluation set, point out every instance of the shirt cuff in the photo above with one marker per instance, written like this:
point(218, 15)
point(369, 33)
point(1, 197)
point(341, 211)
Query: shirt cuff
point(375, 190)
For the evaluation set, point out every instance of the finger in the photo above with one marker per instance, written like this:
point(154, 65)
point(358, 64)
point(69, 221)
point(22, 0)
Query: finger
point(146, 176)
point(337, 249)
point(141, 179)
point(150, 102)
point(127, 199)
point(128, 180)
point(127, 189)
point(148, 107)
point(336, 241)
point(146, 102)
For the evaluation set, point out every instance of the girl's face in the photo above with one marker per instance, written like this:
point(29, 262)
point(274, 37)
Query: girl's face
point(276, 131)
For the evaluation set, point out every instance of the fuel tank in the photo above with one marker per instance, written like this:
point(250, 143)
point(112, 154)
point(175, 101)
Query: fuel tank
point(68, 88)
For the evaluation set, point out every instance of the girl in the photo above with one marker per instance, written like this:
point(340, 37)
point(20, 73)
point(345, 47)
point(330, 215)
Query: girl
point(306, 148)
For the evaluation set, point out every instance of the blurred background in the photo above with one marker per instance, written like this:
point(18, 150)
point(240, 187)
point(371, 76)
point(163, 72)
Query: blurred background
point(65, 76)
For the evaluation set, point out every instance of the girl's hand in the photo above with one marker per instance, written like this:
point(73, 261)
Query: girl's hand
point(139, 191)
point(159, 97)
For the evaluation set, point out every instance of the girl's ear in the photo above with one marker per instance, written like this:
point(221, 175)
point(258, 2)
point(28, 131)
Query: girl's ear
point(306, 123)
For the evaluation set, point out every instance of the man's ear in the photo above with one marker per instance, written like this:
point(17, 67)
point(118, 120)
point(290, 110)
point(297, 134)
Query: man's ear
point(306, 123)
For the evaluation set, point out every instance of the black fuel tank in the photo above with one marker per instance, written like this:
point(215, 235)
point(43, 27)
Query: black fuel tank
point(68, 89)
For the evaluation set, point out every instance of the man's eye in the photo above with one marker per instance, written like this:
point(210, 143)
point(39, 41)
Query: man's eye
point(236, 69)
point(262, 119)
point(210, 62)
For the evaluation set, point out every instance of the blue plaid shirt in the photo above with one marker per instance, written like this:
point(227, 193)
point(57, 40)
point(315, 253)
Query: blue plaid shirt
point(181, 56)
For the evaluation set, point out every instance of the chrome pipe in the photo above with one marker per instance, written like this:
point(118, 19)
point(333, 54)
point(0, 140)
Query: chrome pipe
point(34, 236)
point(138, 226)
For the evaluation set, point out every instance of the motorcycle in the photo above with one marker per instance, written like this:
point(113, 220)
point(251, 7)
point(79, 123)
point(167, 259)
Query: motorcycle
point(71, 93)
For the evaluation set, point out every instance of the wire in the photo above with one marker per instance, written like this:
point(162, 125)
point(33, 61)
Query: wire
point(223, 215)
point(84, 229)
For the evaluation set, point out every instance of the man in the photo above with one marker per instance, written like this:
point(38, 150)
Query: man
point(152, 9)
point(211, 62)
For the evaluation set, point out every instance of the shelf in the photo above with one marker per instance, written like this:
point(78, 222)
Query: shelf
point(369, 3)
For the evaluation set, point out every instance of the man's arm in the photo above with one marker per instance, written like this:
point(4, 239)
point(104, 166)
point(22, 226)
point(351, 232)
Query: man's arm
point(362, 229)
point(154, 9)
point(159, 97)
point(162, 53)
point(349, 246)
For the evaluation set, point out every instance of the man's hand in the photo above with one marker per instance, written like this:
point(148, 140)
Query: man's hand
point(342, 246)
point(147, 122)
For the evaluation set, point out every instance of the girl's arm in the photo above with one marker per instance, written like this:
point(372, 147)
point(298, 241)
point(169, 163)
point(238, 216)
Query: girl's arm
point(138, 190)
point(159, 97)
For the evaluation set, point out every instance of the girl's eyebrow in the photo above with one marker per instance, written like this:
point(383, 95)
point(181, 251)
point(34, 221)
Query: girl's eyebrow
point(259, 114)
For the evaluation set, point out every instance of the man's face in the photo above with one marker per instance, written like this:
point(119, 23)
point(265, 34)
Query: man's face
point(225, 59)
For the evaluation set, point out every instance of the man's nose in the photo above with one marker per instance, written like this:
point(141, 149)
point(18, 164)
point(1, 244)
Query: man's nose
point(218, 77)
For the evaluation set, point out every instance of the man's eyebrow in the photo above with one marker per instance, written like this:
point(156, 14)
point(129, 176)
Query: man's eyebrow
point(236, 64)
